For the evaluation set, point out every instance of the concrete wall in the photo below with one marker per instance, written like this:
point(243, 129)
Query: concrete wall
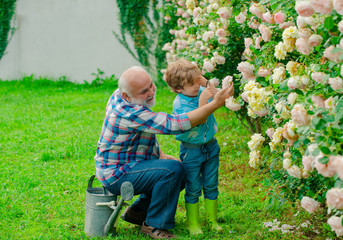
point(69, 38)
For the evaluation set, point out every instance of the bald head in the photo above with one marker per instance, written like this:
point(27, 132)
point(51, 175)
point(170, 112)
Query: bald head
point(137, 87)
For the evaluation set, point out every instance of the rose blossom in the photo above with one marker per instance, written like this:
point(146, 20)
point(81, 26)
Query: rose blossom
point(300, 116)
point(336, 225)
point(179, 12)
point(196, 12)
point(227, 81)
point(304, 8)
point(294, 82)
point(254, 23)
point(262, 112)
point(270, 132)
point(208, 66)
point(263, 72)
point(287, 154)
point(256, 141)
point(231, 104)
point(292, 97)
point(266, 32)
point(332, 56)
point(268, 17)
point(286, 163)
point(305, 80)
point(220, 32)
point(244, 96)
point(309, 204)
point(334, 198)
point(293, 68)
point(280, 51)
point(224, 12)
point(327, 170)
point(307, 163)
point(240, 18)
point(279, 75)
point(257, 9)
point(336, 83)
point(319, 77)
point(322, 6)
point(294, 171)
point(257, 42)
point(301, 23)
point(340, 26)
point(279, 17)
point(222, 40)
point(255, 159)
point(288, 132)
point(247, 70)
point(315, 40)
point(318, 101)
point(207, 36)
point(214, 81)
point(337, 163)
point(186, 15)
point(286, 25)
point(303, 47)
point(338, 6)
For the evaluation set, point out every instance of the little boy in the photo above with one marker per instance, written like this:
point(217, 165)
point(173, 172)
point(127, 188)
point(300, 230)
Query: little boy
point(199, 150)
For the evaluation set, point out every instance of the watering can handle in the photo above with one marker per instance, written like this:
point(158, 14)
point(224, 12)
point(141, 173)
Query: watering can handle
point(90, 184)
point(126, 191)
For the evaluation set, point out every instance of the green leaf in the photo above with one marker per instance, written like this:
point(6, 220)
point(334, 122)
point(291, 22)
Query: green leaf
point(324, 160)
point(318, 123)
point(329, 23)
point(329, 118)
point(325, 150)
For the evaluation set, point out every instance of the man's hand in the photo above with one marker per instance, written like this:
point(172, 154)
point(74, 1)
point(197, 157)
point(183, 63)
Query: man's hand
point(166, 156)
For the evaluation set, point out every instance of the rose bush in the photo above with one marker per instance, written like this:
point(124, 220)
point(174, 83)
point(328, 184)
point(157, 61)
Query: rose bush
point(286, 62)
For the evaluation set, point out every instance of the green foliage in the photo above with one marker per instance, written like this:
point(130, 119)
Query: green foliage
point(141, 21)
point(48, 135)
point(7, 11)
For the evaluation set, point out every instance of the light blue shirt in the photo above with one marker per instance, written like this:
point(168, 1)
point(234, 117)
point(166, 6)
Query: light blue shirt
point(199, 134)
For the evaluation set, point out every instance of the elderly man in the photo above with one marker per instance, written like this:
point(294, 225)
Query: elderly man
point(128, 151)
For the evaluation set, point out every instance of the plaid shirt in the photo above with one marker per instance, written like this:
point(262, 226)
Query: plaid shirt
point(128, 136)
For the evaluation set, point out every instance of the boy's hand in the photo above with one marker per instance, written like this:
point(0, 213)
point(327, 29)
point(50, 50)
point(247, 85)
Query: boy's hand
point(204, 96)
point(223, 94)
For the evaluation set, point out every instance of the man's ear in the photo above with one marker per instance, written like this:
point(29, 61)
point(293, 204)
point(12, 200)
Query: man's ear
point(127, 98)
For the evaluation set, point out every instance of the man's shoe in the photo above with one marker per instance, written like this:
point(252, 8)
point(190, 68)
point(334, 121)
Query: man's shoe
point(134, 217)
point(156, 233)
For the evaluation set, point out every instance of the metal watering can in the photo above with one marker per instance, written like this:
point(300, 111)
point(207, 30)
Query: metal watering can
point(102, 209)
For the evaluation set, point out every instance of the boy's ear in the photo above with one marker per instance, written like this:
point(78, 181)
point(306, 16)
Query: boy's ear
point(177, 90)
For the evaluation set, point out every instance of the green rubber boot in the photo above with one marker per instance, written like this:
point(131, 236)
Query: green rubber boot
point(192, 212)
point(211, 209)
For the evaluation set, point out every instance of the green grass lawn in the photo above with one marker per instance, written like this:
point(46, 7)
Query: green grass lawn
point(48, 137)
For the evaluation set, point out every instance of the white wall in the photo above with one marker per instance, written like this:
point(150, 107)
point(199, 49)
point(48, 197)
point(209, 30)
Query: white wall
point(69, 38)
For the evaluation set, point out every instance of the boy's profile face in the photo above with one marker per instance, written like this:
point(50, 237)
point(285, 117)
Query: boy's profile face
point(191, 90)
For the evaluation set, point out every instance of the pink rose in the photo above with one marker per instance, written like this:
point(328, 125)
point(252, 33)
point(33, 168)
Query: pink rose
point(279, 17)
point(220, 32)
point(179, 12)
point(240, 18)
point(322, 6)
point(207, 36)
point(224, 12)
point(338, 6)
point(301, 22)
point(247, 70)
point(309, 204)
point(334, 198)
point(231, 104)
point(257, 9)
point(261, 113)
point(227, 81)
point(244, 96)
point(266, 32)
point(340, 26)
point(318, 100)
point(303, 47)
point(186, 14)
point(196, 12)
point(327, 170)
point(215, 81)
point(319, 77)
point(336, 225)
point(268, 17)
point(304, 8)
point(337, 163)
point(222, 40)
point(294, 82)
point(270, 132)
point(307, 163)
point(289, 134)
point(315, 40)
point(258, 42)
point(208, 66)
point(286, 25)
point(263, 72)
point(181, 3)
point(332, 56)
point(336, 83)
point(329, 103)
point(300, 116)
point(248, 42)
point(294, 171)
point(305, 33)
point(253, 23)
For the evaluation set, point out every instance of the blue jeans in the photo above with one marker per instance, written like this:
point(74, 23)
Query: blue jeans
point(159, 183)
point(201, 170)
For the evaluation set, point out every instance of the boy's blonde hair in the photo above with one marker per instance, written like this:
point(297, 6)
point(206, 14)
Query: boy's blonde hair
point(181, 73)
